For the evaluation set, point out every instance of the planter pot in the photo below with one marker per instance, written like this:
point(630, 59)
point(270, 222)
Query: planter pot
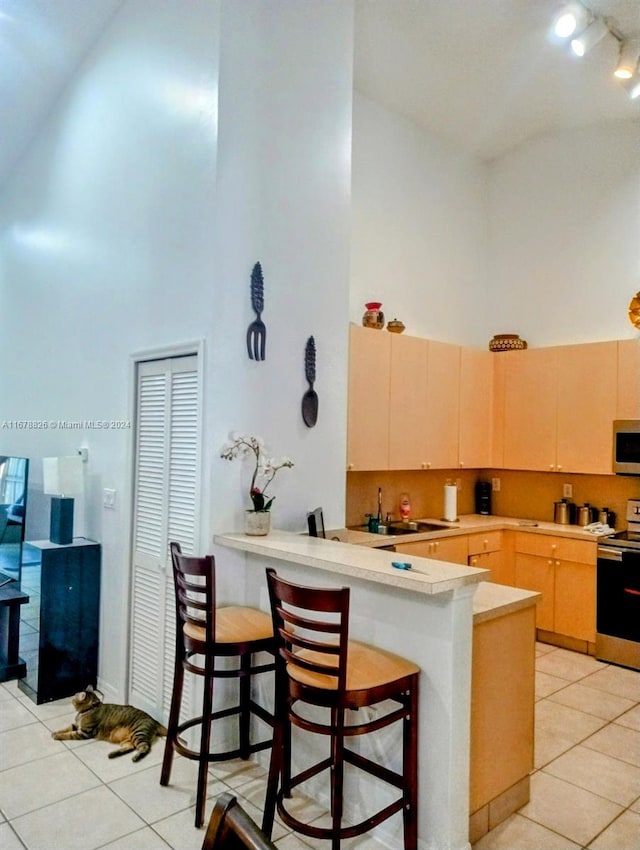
point(257, 523)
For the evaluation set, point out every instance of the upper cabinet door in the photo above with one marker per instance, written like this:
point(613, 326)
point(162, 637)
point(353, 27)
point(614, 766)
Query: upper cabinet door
point(476, 408)
point(530, 403)
point(368, 401)
point(586, 406)
point(408, 403)
point(443, 405)
point(628, 403)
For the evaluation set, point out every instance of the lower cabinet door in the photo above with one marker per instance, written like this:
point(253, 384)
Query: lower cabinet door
point(575, 600)
point(534, 572)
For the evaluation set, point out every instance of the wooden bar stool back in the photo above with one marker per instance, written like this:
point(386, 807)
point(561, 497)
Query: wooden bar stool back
point(203, 634)
point(317, 665)
point(231, 828)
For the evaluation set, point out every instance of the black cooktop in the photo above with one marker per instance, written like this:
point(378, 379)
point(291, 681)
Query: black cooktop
point(629, 539)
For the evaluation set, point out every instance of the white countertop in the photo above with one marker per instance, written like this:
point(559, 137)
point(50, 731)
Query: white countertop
point(426, 575)
point(468, 524)
point(497, 600)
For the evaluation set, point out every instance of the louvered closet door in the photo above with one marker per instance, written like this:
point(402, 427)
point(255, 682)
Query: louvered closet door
point(164, 509)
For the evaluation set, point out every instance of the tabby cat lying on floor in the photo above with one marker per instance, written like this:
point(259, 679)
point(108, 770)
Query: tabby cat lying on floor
point(130, 727)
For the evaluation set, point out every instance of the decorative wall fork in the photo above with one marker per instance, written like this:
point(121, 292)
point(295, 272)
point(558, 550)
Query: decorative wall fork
point(257, 332)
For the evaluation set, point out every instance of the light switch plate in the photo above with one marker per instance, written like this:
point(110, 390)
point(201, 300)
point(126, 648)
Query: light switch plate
point(109, 498)
point(495, 485)
point(567, 491)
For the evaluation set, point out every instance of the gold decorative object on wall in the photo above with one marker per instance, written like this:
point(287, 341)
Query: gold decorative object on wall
point(507, 342)
point(634, 310)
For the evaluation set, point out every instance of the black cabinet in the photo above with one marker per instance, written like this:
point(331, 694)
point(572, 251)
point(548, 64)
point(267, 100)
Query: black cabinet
point(66, 658)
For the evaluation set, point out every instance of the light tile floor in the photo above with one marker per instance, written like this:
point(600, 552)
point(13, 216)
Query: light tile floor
point(585, 789)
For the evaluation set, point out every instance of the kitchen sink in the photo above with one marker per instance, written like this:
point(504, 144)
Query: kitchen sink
point(395, 529)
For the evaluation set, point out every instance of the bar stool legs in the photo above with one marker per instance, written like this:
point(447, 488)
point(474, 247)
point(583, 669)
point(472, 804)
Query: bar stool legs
point(205, 633)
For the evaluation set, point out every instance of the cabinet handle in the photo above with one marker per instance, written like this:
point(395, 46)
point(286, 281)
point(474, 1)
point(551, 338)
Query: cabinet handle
point(350, 466)
point(424, 465)
point(428, 464)
point(552, 466)
point(559, 467)
point(485, 543)
point(436, 545)
point(474, 560)
point(550, 562)
point(554, 546)
point(461, 463)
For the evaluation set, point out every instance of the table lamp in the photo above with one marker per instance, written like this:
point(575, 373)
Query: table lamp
point(62, 478)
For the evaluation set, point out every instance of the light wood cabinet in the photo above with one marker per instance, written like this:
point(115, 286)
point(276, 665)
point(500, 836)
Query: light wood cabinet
point(476, 408)
point(575, 600)
point(368, 399)
point(534, 572)
point(530, 404)
point(443, 405)
point(587, 396)
point(502, 716)
point(420, 404)
point(404, 402)
point(558, 404)
point(628, 389)
point(485, 552)
point(424, 404)
point(563, 570)
point(408, 440)
point(452, 549)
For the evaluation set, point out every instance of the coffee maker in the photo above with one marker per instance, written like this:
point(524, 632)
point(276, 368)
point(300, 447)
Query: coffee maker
point(483, 497)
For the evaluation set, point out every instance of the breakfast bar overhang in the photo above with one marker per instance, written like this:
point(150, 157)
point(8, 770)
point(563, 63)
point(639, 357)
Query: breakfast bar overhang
point(424, 614)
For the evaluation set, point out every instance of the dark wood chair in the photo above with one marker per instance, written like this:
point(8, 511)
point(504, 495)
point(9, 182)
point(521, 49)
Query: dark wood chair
point(231, 828)
point(317, 665)
point(205, 633)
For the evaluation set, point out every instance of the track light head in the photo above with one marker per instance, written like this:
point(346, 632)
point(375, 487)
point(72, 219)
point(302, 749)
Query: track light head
point(587, 39)
point(572, 17)
point(628, 59)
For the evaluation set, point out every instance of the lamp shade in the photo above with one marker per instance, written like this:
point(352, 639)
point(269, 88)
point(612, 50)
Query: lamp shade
point(62, 476)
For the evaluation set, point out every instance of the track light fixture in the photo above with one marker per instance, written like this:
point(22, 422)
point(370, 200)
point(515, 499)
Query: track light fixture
point(628, 59)
point(571, 18)
point(587, 39)
point(576, 22)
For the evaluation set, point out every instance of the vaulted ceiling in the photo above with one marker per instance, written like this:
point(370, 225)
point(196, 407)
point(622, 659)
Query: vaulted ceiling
point(481, 74)
point(486, 75)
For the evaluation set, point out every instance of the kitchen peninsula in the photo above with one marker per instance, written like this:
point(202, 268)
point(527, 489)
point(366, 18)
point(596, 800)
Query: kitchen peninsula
point(425, 614)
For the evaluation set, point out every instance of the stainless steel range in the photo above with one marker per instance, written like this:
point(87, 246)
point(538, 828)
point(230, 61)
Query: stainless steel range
point(618, 593)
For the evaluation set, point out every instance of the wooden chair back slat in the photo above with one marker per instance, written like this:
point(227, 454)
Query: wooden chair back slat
point(299, 631)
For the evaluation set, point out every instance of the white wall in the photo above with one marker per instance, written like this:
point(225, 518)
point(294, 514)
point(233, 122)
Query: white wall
point(565, 235)
point(124, 230)
point(544, 242)
point(419, 237)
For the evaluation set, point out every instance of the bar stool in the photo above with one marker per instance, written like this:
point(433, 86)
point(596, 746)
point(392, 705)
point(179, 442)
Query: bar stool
point(317, 665)
point(209, 632)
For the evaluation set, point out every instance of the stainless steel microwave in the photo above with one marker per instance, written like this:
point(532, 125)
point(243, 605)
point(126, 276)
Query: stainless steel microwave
point(626, 446)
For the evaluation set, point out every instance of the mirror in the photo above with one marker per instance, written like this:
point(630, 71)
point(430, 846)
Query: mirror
point(14, 475)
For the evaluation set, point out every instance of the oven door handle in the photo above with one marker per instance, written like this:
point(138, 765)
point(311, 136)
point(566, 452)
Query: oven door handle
point(631, 591)
point(608, 553)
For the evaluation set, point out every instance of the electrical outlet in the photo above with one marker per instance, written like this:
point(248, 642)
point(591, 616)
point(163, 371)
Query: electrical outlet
point(567, 491)
point(495, 485)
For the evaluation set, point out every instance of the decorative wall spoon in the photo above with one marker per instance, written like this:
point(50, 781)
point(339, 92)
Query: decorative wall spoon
point(310, 398)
